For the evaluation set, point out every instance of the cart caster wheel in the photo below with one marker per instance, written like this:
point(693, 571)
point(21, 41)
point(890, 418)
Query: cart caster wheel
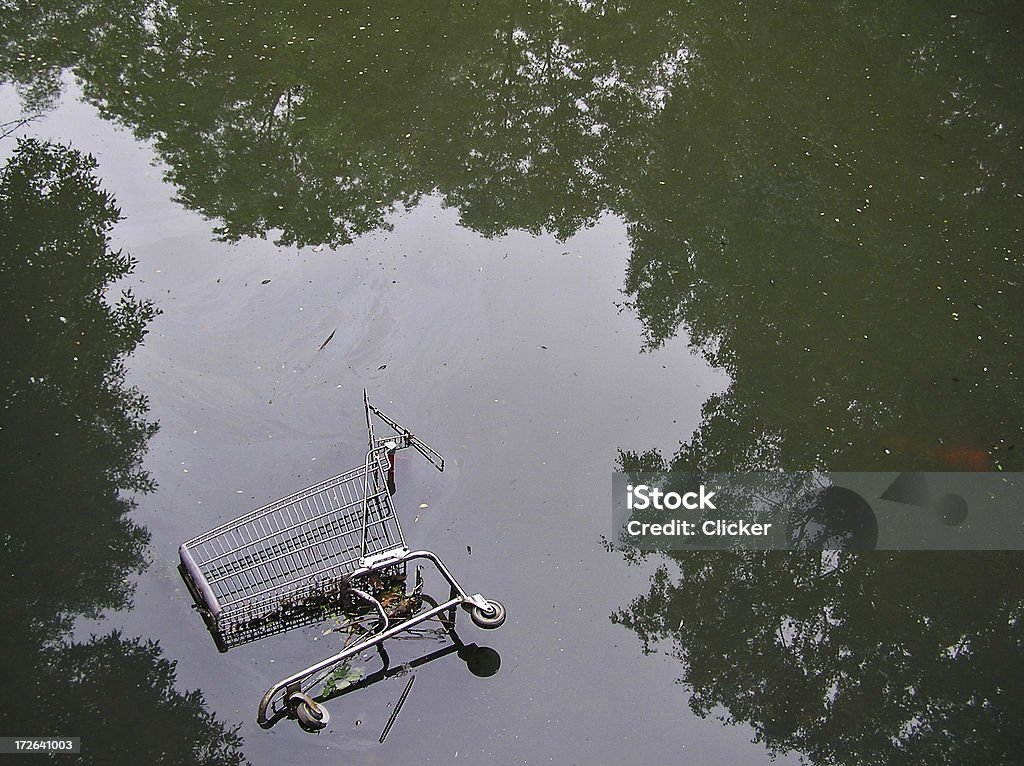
point(312, 715)
point(488, 620)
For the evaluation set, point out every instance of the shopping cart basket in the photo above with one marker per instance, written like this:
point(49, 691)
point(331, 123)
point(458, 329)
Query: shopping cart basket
point(317, 555)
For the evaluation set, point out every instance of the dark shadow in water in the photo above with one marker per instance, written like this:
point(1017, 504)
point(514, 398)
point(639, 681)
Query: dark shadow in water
point(72, 436)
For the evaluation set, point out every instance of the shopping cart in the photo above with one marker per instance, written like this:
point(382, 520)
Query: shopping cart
point(334, 551)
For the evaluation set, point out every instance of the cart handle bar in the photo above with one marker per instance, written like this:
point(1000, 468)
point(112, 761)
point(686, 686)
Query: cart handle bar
point(407, 438)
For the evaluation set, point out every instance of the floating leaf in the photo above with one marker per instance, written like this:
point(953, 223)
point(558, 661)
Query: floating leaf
point(341, 677)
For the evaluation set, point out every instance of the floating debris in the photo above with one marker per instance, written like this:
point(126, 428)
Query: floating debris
point(329, 339)
point(340, 678)
point(335, 598)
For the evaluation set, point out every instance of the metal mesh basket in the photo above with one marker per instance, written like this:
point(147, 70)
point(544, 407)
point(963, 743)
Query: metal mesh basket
point(288, 563)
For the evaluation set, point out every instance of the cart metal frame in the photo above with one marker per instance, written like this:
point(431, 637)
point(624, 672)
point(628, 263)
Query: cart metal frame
point(303, 559)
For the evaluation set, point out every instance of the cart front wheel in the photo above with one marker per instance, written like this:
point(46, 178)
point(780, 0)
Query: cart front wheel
point(490, 618)
point(312, 716)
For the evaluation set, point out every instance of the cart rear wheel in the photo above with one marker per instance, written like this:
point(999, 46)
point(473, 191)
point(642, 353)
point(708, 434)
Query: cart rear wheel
point(491, 618)
point(312, 716)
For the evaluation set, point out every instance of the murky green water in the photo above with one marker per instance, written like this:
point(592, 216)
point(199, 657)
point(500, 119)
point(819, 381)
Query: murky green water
point(553, 239)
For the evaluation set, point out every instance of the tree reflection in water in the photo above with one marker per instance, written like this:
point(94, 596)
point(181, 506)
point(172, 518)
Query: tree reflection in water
point(897, 658)
point(826, 199)
point(73, 435)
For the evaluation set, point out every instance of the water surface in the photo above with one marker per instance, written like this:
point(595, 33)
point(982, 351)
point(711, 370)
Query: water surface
point(555, 240)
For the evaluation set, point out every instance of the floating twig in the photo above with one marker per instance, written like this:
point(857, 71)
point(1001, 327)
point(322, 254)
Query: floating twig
point(329, 339)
